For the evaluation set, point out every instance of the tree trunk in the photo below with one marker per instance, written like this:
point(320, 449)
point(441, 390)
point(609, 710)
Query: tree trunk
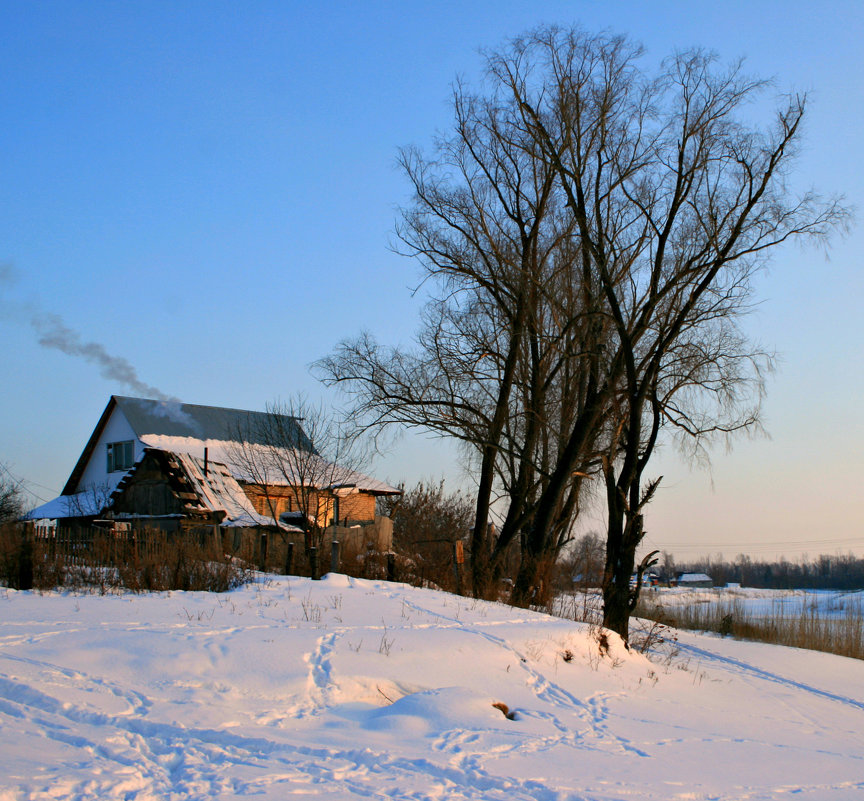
point(540, 543)
point(480, 545)
point(621, 546)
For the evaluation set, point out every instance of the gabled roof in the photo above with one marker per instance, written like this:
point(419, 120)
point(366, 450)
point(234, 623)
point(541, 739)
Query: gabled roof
point(188, 420)
point(190, 429)
point(84, 458)
point(175, 419)
point(688, 578)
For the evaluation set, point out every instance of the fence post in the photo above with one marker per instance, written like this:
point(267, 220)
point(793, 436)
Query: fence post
point(458, 558)
point(263, 551)
point(289, 559)
point(334, 556)
point(313, 563)
point(391, 566)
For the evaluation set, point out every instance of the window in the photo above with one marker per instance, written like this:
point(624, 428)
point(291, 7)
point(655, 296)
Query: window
point(121, 455)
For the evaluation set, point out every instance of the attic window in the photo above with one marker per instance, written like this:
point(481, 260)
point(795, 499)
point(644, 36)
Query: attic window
point(121, 455)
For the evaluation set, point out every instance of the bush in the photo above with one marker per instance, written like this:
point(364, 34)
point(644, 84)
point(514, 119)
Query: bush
point(427, 522)
point(16, 558)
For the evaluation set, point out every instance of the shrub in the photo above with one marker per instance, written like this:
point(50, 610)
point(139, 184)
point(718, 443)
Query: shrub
point(16, 557)
point(427, 522)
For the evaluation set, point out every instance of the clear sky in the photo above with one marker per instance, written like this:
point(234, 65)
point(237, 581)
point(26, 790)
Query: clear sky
point(207, 190)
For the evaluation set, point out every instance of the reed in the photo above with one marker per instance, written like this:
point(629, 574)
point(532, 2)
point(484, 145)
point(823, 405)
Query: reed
point(811, 626)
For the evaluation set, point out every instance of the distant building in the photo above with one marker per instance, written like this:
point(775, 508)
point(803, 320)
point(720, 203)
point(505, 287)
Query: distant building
point(648, 580)
point(694, 580)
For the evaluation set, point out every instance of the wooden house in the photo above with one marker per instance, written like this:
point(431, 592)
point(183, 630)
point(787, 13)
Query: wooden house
point(164, 487)
point(149, 460)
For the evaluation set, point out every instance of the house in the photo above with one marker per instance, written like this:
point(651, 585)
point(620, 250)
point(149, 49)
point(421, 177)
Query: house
point(648, 579)
point(171, 464)
point(694, 580)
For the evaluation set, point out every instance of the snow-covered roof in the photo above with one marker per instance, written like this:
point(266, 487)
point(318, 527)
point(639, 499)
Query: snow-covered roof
point(265, 464)
point(218, 491)
point(80, 504)
point(214, 488)
point(692, 578)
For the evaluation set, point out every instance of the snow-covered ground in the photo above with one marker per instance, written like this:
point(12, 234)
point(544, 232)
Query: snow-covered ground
point(344, 688)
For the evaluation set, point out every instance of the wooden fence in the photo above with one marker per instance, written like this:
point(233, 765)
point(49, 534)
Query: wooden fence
point(93, 546)
point(124, 546)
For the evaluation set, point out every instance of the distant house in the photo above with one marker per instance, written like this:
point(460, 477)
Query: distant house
point(175, 465)
point(694, 580)
point(648, 579)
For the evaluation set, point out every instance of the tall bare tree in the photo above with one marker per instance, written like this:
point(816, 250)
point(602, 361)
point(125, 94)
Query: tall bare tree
point(497, 246)
point(677, 202)
point(593, 231)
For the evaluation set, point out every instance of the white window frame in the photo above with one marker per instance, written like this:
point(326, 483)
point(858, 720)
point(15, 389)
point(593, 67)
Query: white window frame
point(121, 455)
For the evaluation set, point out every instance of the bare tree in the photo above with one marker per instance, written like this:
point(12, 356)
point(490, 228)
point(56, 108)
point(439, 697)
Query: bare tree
point(298, 461)
point(89, 502)
point(428, 524)
point(500, 340)
point(593, 231)
point(677, 203)
point(11, 496)
point(585, 561)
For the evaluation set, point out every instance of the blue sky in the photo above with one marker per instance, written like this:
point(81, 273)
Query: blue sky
point(208, 190)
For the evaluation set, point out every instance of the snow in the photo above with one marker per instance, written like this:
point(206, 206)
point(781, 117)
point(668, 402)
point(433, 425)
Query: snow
point(80, 503)
point(344, 688)
point(277, 464)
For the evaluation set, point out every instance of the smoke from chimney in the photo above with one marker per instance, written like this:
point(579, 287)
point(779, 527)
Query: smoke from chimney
point(54, 333)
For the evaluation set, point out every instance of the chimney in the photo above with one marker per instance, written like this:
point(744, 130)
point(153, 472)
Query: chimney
point(205, 461)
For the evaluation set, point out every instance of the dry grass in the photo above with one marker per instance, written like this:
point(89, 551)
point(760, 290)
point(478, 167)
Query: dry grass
point(810, 628)
point(99, 561)
point(584, 606)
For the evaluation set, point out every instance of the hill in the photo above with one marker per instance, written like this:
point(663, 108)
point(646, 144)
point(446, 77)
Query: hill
point(345, 688)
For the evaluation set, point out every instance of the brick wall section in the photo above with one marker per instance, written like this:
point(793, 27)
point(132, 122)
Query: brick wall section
point(359, 507)
point(271, 501)
point(356, 508)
